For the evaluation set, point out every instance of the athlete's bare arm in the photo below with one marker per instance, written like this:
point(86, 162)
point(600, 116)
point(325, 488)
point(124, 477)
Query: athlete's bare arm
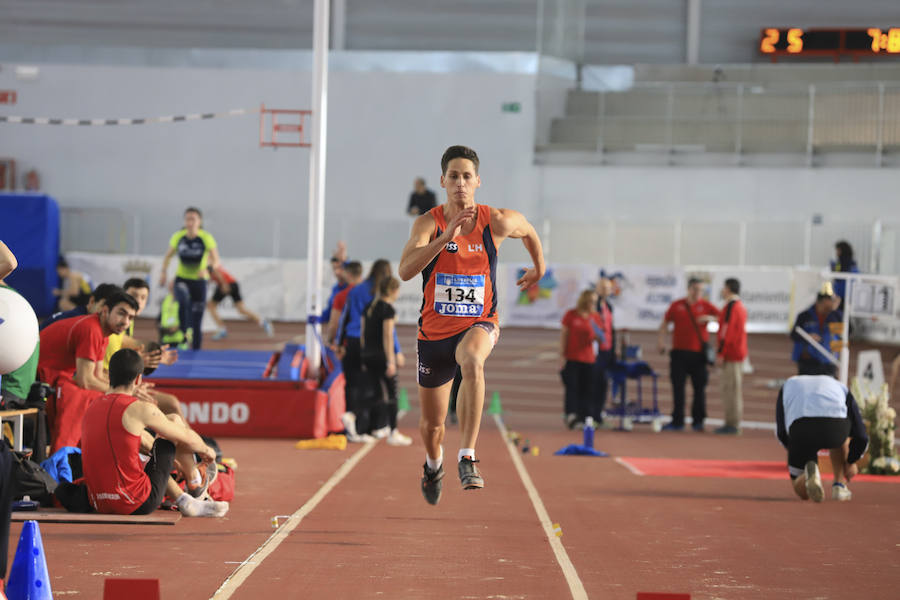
point(507, 223)
point(148, 415)
point(421, 249)
point(86, 376)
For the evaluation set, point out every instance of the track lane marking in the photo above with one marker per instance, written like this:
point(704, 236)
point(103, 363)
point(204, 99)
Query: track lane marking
point(246, 568)
point(629, 466)
point(576, 587)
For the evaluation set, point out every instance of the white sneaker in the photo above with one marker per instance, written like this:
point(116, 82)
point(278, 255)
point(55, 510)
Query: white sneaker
point(398, 439)
point(192, 507)
point(840, 492)
point(348, 420)
point(360, 438)
point(814, 482)
point(382, 433)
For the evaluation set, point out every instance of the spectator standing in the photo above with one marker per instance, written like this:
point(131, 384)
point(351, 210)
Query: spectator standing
point(732, 339)
point(338, 262)
point(196, 248)
point(688, 358)
point(823, 324)
point(380, 360)
point(352, 274)
point(581, 327)
point(606, 345)
point(421, 200)
point(356, 419)
point(843, 263)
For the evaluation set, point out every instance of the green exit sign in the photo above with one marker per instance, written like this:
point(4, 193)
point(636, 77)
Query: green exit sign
point(511, 107)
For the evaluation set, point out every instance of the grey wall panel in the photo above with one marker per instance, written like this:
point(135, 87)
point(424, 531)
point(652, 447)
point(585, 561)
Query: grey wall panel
point(635, 31)
point(730, 28)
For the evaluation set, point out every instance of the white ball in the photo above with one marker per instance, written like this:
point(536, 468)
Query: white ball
point(18, 331)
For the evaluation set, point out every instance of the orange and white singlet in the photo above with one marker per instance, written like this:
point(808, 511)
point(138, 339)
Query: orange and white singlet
point(459, 284)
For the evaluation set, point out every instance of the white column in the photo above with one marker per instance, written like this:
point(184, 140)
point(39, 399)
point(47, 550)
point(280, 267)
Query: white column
point(692, 31)
point(316, 225)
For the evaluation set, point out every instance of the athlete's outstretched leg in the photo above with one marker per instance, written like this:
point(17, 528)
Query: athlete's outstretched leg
point(471, 354)
point(431, 426)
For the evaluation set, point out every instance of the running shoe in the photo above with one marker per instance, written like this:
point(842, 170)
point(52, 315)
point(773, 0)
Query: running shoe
point(840, 492)
point(381, 433)
point(348, 420)
point(267, 326)
point(698, 427)
point(398, 439)
point(361, 438)
point(814, 482)
point(208, 472)
point(672, 427)
point(727, 430)
point(432, 484)
point(468, 474)
point(220, 334)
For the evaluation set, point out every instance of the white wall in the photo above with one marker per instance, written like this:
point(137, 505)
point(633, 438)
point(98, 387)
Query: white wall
point(385, 128)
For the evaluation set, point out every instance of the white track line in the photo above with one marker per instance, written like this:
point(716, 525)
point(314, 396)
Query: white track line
point(576, 587)
point(629, 466)
point(246, 568)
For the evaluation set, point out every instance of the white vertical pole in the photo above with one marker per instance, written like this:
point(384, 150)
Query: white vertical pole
point(316, 225)
point(693, 32)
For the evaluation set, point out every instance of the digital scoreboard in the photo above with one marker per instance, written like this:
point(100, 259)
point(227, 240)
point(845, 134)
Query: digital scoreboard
point(873, 41)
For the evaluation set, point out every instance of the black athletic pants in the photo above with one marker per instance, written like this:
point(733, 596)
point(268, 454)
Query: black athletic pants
point(6, 492)
point(579, 397)
point(158, 469)
point(191, 313)
point(354, 383)
point(605, 359)
point(382, 390)
point(684, 364)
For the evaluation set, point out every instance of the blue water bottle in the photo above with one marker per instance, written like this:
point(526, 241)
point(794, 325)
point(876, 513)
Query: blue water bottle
point(589, 432)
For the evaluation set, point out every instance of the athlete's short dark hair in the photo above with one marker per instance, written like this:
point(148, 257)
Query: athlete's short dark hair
point(136, 283)
point(124, 367)
point(103, 291)
point(193, 209)
point(694, 280)
point(120, 297)
point(458, 152)
point(353, 268)
point(733, 285)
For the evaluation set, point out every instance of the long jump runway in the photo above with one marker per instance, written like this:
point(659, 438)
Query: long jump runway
point(360, 528)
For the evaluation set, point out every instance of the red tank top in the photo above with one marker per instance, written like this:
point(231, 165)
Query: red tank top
point(113, 472)
point(459, 284)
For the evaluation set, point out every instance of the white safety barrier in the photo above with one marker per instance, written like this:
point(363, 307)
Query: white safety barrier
point(275, 289)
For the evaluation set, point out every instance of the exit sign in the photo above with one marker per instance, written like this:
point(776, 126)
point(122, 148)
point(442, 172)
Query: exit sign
point(511, 107)
point(7, 97)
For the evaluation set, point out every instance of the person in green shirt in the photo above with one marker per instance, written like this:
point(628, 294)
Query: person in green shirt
point(15, 386)
point(196, 249)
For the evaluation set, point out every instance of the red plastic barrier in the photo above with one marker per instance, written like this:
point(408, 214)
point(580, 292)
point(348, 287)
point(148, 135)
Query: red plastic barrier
point(237, 408)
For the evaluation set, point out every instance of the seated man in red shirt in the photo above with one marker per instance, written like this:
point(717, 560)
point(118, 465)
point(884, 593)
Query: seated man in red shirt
point(114, 433)
point(71, 360)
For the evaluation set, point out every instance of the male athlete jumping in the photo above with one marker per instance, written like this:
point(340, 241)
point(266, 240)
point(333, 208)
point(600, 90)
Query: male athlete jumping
point(454, 246)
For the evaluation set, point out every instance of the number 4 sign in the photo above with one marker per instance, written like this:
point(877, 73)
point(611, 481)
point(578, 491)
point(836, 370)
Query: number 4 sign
point(869, 369)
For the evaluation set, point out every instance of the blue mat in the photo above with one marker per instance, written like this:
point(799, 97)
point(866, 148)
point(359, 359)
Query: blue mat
point(216, 364)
